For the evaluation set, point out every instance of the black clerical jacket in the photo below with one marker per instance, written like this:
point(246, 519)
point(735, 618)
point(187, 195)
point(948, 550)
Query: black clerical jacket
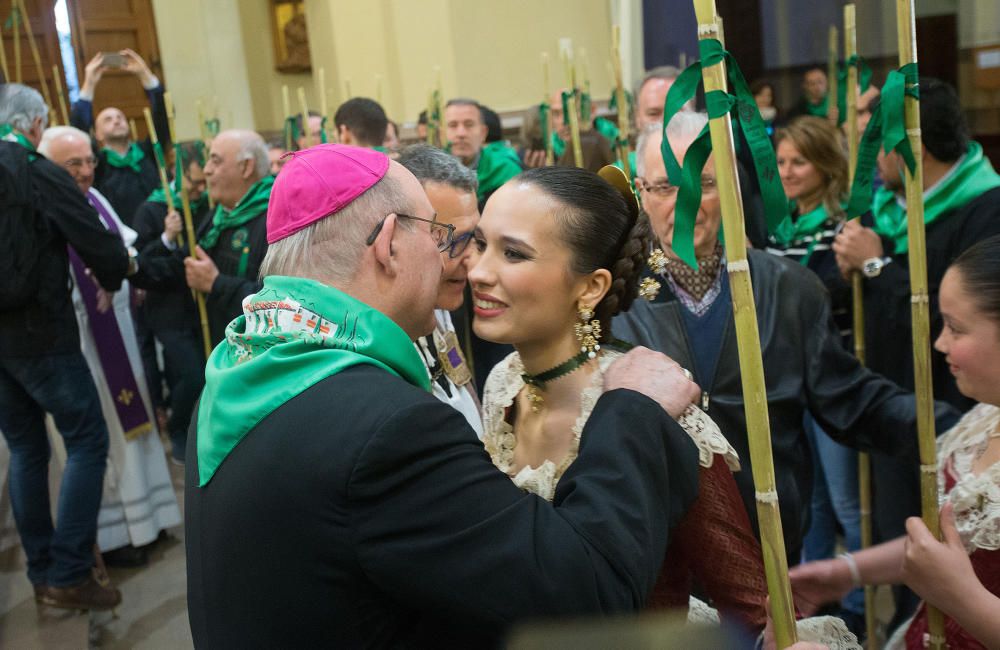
point(366, 513)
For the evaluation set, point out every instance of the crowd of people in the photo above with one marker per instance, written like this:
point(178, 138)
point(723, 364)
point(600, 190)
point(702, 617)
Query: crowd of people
point(354, 324)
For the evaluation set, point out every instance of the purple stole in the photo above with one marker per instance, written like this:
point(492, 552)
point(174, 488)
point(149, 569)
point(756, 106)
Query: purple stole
point(111, 352)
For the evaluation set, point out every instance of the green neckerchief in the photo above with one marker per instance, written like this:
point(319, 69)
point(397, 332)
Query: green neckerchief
point(381, 149)
point(498, 163)
point(608, 129)
point(817, 110)
point(972, 176)
point(805, 226)
point(250, 206)
point(742, 110)
point(293, 334)
point(10, 134)
point(131, 160)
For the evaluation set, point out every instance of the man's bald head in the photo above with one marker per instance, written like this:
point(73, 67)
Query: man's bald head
point(70, 148)
point(237, 160)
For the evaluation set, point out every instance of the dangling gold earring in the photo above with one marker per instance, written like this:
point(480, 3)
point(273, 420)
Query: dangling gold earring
point(588, 332)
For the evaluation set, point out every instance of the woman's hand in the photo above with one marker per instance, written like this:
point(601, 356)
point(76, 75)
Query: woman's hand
point(939, 571)
point(815, 584)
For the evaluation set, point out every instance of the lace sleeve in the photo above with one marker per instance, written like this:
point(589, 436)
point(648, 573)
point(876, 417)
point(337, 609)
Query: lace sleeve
point(715, 545)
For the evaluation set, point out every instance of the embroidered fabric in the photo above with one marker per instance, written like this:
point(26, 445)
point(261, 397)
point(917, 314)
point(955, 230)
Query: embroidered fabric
point(502, 387)
point(975, 498)
point(827, 630)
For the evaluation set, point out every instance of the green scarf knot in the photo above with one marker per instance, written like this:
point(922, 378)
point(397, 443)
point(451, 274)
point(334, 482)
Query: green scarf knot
point(886, 130)
point(293, 334)
point(972, 176)
point(249, 207)
point(747, 118)
point(10, 134)
point(498, 163)
point(131, 160)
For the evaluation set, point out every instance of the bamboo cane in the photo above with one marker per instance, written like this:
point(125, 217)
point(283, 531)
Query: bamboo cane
point(571, 111)
point(583, 74)
point(304, 108)
point(61, 93)
point(3, 61)
point(621, 99)
point(858, 309)
point(286, 109)
point(206, 137)
point(748, 342)
point(164, 183)
point(441, 133)
point(431, 124)
point(323, 106)
point(833, 55)
point(919, 306)
point(36, 57)
point(133, 129)
point(199, 298)
point(550, 156)
point(16, 17)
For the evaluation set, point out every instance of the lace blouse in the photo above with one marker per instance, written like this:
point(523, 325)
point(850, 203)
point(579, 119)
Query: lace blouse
point(502, 387)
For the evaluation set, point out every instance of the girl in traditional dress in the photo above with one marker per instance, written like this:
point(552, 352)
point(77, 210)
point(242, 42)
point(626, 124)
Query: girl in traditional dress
point(968, 472)
point(559, 253)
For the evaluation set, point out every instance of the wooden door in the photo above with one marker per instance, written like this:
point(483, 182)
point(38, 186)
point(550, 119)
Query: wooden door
point(110, 26)
point(42, 23)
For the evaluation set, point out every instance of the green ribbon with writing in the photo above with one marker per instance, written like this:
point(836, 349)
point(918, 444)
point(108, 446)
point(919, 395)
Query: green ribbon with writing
point(747, 118)
point(886, 130)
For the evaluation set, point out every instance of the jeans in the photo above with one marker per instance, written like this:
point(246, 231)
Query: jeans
point(60, 384)
point(835, 499)
point(184, 366)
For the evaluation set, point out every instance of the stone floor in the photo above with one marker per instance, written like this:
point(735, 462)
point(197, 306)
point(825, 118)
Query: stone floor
point(153, 613)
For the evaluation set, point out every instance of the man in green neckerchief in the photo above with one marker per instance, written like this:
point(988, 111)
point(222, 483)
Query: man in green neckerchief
point(813, 101)
point(494, 163)
point(232, 244)
point(961, 207)
point(361, 122)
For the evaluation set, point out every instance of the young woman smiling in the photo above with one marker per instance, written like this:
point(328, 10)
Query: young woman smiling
point(559, 252)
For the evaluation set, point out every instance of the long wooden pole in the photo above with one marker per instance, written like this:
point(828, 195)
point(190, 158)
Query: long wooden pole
point(621, 100)
point(920, 305)
point(199, 298)
point(833, 55)
point(206, 138)
point(546, 96)
point(573, 116)
point(323, 105)
point(286, 108)
point(16, 13)
point(3, 60)
point(304, 108)
point(33, 46)
point(748, 343)
point(61, 93)
point(858, 308)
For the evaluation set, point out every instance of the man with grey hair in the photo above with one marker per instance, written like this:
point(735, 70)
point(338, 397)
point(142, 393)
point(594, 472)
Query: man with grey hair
point(232, 245)
point(805, 363)
point(451, 189)
point(651, 93)
point(41, 367)
point(345, 505)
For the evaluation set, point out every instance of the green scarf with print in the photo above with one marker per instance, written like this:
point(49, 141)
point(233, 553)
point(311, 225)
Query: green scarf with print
point(293, 334)
point(250, 206)
point(498, 163)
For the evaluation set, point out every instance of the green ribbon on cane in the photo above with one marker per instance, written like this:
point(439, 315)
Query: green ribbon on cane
point(886, 130)
point(213, 126)
point(864, 80)
point(747, 118)
point(291, 129)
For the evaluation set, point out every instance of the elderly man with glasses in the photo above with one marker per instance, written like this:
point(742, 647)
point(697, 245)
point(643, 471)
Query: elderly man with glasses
point(451, 188)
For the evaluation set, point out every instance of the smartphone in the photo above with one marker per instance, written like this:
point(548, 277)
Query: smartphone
point(113, 60)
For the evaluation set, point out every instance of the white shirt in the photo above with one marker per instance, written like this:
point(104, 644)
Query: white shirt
point(459, 398)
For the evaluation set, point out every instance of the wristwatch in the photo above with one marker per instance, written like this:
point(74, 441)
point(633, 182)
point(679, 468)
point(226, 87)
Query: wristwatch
point(133, 262)
point(873, 266)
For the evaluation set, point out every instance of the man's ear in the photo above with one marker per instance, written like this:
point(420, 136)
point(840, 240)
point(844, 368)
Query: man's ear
point(343, 134)
point(248, 167)
point(385, 255)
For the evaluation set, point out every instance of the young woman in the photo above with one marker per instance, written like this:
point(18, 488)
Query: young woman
point(968, 476)
point(559, 253)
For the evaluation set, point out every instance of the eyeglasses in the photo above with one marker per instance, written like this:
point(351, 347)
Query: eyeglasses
point(442, 233)
point(664, 189)
point(459, 244)
point(77, 163)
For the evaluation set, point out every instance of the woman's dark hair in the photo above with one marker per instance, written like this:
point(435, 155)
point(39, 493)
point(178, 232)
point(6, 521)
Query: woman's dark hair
point(979, 267)
point(603, 231)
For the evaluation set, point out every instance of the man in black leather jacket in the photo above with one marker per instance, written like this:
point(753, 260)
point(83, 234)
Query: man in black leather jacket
point(805, 365)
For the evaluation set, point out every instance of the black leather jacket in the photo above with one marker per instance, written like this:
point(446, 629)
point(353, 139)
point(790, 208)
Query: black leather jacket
point(805, 367)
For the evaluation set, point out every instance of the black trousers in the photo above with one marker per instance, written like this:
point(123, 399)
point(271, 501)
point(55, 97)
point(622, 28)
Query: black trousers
point(184, 367)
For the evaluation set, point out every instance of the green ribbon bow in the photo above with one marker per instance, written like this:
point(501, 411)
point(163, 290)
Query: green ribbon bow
point(887, 130)
point(747, 119)
point(291, 129)
point(864, 79)
point(608, 129)
point(543, 119)
point(213, 126)
point(131, 160)
point(586, 106)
